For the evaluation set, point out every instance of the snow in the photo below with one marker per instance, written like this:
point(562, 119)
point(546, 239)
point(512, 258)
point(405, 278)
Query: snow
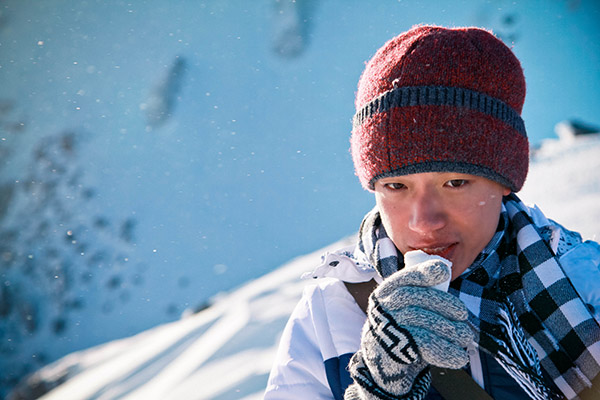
point(226, 350)
point(154, 155)
point(567, 192)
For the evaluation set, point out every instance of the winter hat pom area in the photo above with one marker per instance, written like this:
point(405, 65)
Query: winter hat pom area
point(437, 99)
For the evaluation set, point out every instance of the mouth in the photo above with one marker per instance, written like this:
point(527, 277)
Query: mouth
point(443, 250)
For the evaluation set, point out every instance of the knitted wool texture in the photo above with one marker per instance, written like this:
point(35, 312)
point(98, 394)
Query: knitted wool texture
point(409, 326)
point(436, 99)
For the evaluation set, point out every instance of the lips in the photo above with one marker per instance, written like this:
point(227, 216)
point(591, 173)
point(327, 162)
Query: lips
point(445, 250)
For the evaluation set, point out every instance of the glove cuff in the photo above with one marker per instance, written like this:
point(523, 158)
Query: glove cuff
point(370, 390)
point(396, 341)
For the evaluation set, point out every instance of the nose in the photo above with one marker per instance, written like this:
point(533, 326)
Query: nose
point(426, 213)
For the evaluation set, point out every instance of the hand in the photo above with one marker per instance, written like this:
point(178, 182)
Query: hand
point(404, 305)
point(409, 326)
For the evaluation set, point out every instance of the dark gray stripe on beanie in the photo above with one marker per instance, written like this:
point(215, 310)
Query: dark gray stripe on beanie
point(441, 96)
point(445, 166)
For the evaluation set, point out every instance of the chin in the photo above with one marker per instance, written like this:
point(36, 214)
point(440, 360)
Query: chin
point(457, 269)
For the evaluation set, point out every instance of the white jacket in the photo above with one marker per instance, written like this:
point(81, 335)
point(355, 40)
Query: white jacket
point(324, 330)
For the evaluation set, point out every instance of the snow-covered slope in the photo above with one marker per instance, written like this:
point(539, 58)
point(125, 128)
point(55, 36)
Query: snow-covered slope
point(225, 351)
point(155, 153)
point(564, 180)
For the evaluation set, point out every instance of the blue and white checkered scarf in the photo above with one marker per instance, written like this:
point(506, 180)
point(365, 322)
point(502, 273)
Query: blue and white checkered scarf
point(524, 309)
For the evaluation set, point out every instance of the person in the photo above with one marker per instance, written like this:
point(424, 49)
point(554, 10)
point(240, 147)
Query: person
point(439, 139)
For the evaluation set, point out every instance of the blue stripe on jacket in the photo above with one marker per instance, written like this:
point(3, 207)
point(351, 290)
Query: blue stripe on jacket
point(338, 376)
point(498, 383)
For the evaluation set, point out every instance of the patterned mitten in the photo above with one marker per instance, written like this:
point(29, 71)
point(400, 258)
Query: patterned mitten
point(409, 326)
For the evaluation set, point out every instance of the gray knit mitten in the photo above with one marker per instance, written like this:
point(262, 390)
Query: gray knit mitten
point(409, 326)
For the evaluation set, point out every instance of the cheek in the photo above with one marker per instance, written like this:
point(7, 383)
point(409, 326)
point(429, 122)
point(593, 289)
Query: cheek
point(483, 207)
point(481, 219)
point(392, 217)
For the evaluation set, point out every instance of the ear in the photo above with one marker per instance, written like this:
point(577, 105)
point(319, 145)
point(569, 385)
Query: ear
point(506, 191)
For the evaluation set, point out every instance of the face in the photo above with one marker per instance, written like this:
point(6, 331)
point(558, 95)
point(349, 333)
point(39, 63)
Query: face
point(443, 213)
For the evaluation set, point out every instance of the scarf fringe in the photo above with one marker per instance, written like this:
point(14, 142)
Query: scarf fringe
point(518, 358)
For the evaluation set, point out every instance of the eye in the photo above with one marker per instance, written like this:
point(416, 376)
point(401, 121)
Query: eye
point(394, 186)
point(456, 183)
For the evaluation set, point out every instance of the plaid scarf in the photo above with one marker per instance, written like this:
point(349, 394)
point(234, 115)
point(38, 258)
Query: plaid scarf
point(522, 306)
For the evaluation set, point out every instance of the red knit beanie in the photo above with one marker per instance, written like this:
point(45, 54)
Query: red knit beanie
point(435, 99)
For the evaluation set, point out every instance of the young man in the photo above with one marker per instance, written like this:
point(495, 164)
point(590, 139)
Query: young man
point(439, 139)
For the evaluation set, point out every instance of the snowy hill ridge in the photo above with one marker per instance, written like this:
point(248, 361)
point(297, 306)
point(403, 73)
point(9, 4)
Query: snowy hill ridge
point(230, 344)
point(226, 350)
